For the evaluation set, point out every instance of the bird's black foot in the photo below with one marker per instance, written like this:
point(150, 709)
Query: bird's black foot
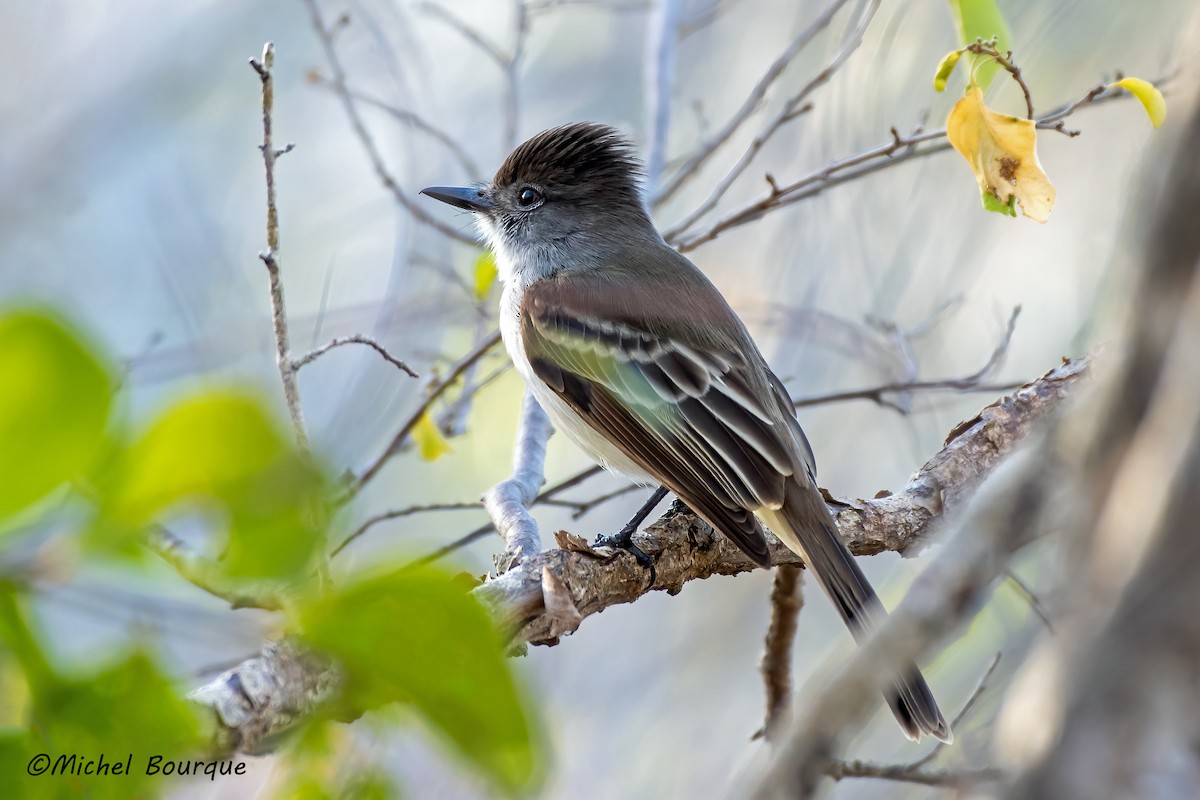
point(623, 539)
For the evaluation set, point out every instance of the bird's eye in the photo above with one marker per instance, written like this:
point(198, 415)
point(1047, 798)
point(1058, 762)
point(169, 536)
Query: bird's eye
point(528, 197)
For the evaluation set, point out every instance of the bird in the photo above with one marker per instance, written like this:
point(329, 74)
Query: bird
point(637, 357)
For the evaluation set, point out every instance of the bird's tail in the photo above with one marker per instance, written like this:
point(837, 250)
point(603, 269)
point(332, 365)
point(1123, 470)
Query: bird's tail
point(805, 525)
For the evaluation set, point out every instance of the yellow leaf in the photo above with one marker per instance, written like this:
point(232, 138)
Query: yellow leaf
point(1150, 97)
point(430, 442)
point(945, 67)
point(485, 274)
point(1002, 152)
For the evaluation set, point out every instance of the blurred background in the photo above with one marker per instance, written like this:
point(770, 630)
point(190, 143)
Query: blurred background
point(133, 199)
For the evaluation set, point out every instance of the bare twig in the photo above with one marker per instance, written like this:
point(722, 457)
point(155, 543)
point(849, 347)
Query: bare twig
point(1031, 598)
point(270, 256)
point(896, 150)
point(409, 118)
point(691, 166)
point(616, 6)
point(850, 43)
point(972, 698)
point(1005, 60)
point(960, 779)
point(486, 530)
point(204, 573)
point(787, 599)
point(967, 383)
point(581, 507)
point(484, 347)
point(699, 20)
point(356, 338)
point(372, 521)
point(508, 502)
point(341, 88)
point(508, 62)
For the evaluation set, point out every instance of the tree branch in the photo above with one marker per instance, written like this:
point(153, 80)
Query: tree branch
point(507, 503)
point(270, 256)
point(896, 151)
point(787, 598)
point(265, 695)
point(203, 573)
point(435, 391)
point(350, 107)
point(356, 338)
point(691, 166)
point(786, 113)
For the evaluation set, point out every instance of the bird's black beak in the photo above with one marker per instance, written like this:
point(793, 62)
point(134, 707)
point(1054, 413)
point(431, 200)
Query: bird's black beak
point(470, 198)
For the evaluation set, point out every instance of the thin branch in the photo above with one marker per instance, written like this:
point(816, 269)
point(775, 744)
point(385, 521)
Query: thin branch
point(371, 522)
point(439, 388)
point(508, 62)
point(690, 167)
point(967, 383)
point(1030, 597)
point(581, 507)
point(409, 118)
point(1005, 60)
point(486, 530)
point(615, 6)
point(948, 779)
point(898, 150)
point(787, 598)
point(972, 698)
point(701, 19)
point(357, 338)
point(204, 573)
point(270, 256)
point(849, 44)
point(340, 87)
point(508, 502)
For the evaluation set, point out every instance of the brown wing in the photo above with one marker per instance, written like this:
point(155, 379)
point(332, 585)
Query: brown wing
point(687, 413)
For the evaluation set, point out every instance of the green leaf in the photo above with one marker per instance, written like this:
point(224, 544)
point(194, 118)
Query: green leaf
point(945, 67)
point(53, 407)
point(981, 19)
point(431, 444)
point(223, 454)
point(1149, 96)
point(417, 637)
point(993, 203)
point(204, 446)
point(485, 274)
point(128, 708)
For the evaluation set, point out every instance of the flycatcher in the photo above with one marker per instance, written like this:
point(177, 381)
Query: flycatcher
point(637, 357)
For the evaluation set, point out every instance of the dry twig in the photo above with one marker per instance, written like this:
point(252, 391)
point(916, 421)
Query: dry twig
point(787, 599)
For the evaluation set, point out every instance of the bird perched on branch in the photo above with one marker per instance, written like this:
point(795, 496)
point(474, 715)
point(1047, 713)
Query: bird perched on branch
point(637, 357)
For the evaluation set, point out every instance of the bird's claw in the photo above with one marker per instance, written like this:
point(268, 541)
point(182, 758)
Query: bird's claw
point(623, 540)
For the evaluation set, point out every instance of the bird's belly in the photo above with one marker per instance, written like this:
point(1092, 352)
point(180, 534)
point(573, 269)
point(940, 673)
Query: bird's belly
point(578, 431)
